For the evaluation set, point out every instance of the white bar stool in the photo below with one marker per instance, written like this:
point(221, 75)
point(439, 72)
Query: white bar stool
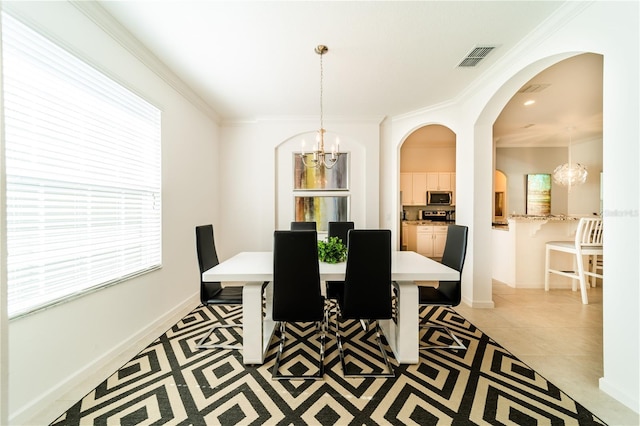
point(588, 242)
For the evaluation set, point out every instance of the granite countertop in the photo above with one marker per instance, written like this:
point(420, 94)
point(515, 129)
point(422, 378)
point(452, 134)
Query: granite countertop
point(428, 222)
point(527, 218)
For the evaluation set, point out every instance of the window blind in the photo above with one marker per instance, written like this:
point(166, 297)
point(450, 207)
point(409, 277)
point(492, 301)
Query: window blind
point(83, 174)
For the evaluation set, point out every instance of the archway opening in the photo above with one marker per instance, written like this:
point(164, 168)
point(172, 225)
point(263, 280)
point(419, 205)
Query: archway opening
point(427, 165)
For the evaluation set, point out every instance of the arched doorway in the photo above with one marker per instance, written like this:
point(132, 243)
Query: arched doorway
point(531, 138)
point(427, 163)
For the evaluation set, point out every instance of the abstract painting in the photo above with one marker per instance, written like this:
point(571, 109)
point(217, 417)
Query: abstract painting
point(322, 210)
point(321, 178)
point(539, 194)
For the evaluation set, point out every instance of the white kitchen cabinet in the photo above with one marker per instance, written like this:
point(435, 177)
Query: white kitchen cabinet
point(439, 240)
point(420, 189)
point(424, 240)
point(406, 188)
point(413, 187)
point(430, 240)
point(405, 237)
point(440, 181)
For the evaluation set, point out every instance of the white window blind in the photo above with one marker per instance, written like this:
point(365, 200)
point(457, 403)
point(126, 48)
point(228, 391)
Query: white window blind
point(83, 174)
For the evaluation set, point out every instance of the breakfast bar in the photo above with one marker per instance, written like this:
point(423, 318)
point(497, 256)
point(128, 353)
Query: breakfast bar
point(519, 248)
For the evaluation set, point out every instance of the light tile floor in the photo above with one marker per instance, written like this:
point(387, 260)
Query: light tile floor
point(559, 337)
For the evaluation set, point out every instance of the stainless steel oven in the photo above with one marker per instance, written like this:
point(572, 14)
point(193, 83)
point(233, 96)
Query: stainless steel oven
point(434, 215)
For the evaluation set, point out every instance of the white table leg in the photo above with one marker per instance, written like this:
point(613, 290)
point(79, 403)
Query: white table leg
point(254, 329)
point(403, 334)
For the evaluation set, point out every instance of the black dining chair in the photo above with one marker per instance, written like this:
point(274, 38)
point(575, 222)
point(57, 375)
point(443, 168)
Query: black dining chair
point(296, 292)
point(366, 293)
point(213, 293)
point(340, 230)
point(303, 226)
point(448, 293)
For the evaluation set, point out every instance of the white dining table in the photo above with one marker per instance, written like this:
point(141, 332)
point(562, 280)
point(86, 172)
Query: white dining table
point(254, 268)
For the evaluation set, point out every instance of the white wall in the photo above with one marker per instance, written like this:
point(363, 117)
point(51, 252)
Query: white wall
point(52, 350)
point(428, 158)
point(607, 28)
point(584, 199)
point(257, 197)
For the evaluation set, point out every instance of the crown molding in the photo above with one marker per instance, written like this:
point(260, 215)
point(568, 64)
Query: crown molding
point(96, 13)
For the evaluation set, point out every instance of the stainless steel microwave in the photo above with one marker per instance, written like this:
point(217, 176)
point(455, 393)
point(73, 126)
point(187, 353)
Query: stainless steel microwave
point(439, 198)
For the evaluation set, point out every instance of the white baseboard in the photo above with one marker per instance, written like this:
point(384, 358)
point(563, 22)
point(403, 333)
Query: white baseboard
point(487, 304)
point(617, 394)
point(57, 400)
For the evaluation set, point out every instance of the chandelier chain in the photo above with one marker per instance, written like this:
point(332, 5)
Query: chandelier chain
point(320, 158)
point(321, 92)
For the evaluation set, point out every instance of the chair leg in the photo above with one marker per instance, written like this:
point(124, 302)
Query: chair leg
point(547, 259)
point(389, 368)
point(331, 310)
point(583, 280)
point(576, 270)
point(276, 375)
point(202, 345)
point(594, 266)
point(446, 330)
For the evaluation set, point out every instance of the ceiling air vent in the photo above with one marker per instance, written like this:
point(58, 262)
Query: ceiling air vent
point(476, 55)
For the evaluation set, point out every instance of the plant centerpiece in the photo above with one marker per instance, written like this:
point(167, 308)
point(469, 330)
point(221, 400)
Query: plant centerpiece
point(332, 250)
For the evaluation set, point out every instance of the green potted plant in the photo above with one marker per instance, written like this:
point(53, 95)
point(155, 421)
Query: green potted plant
point(332, 250)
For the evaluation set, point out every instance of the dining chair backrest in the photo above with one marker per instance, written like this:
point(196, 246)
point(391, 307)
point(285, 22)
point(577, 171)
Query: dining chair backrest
point(340, 230)
point(303, 226)
point(212, 292)
point(367, 284)
point(589, 232)
point(296, 277)
point(455, 251)
point(206, 248)
point(207, 259)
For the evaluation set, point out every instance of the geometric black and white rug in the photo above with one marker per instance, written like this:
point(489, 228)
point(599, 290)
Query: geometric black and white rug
point(172, 383)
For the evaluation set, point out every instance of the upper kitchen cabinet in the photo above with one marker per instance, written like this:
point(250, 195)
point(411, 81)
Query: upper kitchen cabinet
point(439, 181)
point(406, 188)
point(414, 188)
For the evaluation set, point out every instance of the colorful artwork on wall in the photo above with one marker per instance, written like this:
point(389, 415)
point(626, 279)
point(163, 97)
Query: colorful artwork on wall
point(322, 210)
point(539, 194)
point(321, 179)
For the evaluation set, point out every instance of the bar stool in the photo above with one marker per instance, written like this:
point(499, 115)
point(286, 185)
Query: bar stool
point(587, 242)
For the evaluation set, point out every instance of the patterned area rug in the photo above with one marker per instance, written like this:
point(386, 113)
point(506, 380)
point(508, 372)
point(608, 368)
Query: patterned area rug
point(172, 383)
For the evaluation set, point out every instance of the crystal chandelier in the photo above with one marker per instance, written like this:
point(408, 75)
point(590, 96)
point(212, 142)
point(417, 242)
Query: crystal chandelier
point(570, 174)
point(318, 157)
